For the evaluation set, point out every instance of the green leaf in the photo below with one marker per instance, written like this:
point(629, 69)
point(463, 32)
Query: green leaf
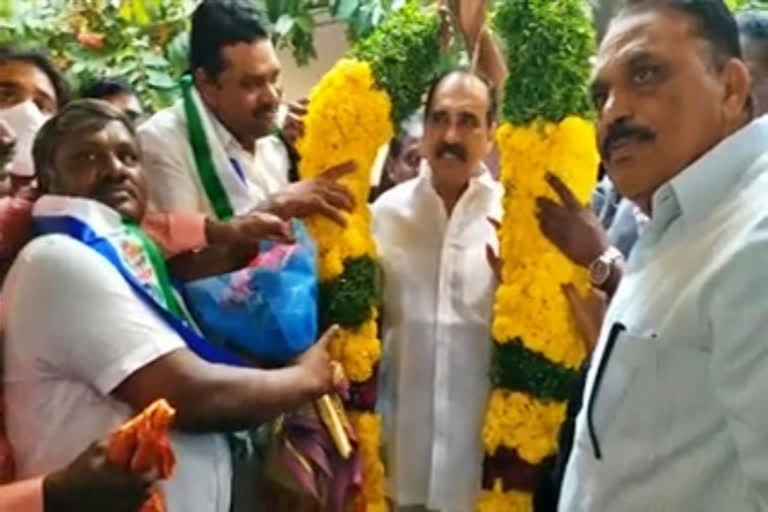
point(403, 54)
point(348, 299)
point(344, 9)
point(153, 60)
point(160, 79)
point(552, 42)
point(516, 368)
point(284, 24)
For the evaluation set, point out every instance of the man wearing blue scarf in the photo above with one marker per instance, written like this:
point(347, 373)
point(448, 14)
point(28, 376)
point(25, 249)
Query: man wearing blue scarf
point(95, 332)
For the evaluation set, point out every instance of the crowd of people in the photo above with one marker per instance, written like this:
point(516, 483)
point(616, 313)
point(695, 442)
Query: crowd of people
point(667, 415)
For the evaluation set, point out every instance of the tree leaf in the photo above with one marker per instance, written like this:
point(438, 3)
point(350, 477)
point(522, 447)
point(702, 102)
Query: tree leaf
point(160, 79)
point(284, 24)
point(344, 9)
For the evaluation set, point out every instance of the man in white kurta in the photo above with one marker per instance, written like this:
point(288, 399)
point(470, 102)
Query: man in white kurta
point(438, 294)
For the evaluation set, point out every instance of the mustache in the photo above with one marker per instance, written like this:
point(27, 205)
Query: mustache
point(265, 112)
point(456, 150)
point(621, 131)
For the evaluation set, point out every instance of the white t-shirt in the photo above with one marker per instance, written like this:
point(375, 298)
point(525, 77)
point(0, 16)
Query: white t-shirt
point(74, 331)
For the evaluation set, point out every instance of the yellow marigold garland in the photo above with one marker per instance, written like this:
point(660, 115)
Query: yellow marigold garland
point(368, 428)
point(496, 500)
point(336, 132)
point(537, 347)
point(530, 297)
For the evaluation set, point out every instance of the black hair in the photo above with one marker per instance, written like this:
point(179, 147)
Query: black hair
point(39, 60)
point(78, 115)
point(492, 96)
point(753, 24)
point(220, 23)
point(107, 87)
point(713, 20)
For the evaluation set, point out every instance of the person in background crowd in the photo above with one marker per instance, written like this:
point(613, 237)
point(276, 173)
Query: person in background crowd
point(672, 412)
point(66, 382)
point(437, 301)
point(221, 131)
point(118, 92)
point(29, 77)
point(753, 31)
point(404, 158)
point(89, 484)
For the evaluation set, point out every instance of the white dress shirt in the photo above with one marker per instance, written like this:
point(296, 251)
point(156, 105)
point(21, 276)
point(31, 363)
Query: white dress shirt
point(74, 331)
point(174, 183)
point(437, 305)
point(679, 414)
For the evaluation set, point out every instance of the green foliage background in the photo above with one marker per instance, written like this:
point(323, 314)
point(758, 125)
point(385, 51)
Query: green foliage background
point(146, 40)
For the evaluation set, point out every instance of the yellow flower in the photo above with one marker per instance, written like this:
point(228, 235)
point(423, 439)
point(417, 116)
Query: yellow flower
point(336, 132)
point(348, 121)
point(530, 304)
point(497, 500)
point(520, 422)
point(368, 429)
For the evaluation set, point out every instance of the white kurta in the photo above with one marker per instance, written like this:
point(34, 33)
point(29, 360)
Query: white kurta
point(438, 296)
point(174, 184)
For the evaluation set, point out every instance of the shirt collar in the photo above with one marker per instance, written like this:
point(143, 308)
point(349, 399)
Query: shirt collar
point(224, 135)
point(706, 182)
point(482, 179)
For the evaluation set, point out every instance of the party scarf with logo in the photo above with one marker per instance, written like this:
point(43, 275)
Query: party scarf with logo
point(134, 255)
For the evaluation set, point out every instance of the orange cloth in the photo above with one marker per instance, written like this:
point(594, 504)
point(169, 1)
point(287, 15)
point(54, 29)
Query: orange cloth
point(143, 446)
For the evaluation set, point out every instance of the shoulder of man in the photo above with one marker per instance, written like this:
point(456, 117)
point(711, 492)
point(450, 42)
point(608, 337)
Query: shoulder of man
point(169, 122)
point(396, 197)
point(56, 250)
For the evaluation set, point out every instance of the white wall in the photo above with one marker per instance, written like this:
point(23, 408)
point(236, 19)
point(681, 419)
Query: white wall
point(330, 43)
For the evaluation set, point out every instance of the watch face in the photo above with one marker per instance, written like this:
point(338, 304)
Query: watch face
point(599, 272)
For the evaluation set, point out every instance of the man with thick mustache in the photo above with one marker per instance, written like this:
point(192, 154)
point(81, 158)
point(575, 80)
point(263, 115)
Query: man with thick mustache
point(673, 414)
point(438, 289)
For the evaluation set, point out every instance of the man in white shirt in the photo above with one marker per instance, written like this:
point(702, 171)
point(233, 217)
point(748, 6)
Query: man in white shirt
point(83, 351)
point(673, 415)
point(432, 233)
point(219, 138)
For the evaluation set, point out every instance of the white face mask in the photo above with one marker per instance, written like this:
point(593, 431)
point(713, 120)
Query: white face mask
point(25, 119)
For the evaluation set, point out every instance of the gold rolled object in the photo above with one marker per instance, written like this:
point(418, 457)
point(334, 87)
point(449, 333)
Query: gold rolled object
point(334, 422)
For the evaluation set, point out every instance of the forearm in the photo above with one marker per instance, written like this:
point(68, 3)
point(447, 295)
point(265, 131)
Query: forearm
point(490, 60)
point(25, 496)
point(234, 399)
point(211, 261)
point(217, 398)
point(610, 287)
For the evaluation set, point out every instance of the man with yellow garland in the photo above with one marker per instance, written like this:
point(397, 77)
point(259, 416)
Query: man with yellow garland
point(437, 301)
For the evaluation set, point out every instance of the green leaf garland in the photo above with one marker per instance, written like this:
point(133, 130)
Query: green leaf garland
point(516, 368)
point(548, 43)
point(404, 54)
point(348, 299)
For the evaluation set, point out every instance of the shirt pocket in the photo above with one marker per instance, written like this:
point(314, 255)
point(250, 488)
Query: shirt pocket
point(472, 284)
point(621, 411)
